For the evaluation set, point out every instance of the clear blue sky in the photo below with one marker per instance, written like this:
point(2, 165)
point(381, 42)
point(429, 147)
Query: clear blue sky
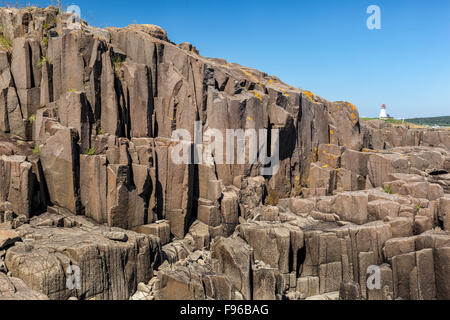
point(322, 45)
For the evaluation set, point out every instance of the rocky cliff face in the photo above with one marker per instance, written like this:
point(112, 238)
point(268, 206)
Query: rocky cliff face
point(87, 180)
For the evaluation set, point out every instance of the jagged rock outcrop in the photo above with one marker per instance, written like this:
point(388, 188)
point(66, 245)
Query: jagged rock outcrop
point(111, 262)
point(16, 289)
point(86, 123)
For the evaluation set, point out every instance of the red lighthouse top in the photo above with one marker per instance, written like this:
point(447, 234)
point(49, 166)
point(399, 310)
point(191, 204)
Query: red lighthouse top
point(383, 106)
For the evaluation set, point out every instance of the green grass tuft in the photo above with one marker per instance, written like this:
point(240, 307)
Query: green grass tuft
point(42, 61)
point(117, 61)
point(32, 118)
point(388, 189)
point(37, 150)
point(5, 43)
point(272, 198)
point(44, 42)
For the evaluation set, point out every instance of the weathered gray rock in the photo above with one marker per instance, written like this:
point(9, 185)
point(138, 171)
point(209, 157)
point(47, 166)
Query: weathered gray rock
point(138, 79)
point(271, 244)
point(16, 184)
point(160, 229)
point(16, 289)
point(350, 291)
point(380, 209)
point(264, 283)
point(43, 263)
point(444, 212)
point(442, 263)
point(380, 166)
point(74, 112)
point(352, 207)
point(233, 258)
point(181, 284)
point(219, 287)
point(93, 184)
point(60, 163)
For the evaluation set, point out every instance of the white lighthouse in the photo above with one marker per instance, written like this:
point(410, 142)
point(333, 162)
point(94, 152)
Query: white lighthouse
point(383, 113)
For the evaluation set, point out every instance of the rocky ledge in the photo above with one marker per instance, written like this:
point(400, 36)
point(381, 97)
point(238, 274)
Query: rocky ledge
point(92, 207)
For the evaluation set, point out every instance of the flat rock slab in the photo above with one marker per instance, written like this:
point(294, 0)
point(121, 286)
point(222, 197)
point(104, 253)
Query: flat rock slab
point(16, 289)
point(82, 261)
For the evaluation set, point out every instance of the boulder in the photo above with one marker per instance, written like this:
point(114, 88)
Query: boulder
point(16, 289)
point(398, 246)
point(330, 155)
point(271, 244)
point(302, 207)
point(181, 284)
point(199, 232)
point(345, 120)
point(252, 194)
point(402, 227)
point(229, 211)
point(356, 162)
point(93, 184)
point(380, 209)
point(160, 229)
point(347, 180)
point(264, 283)
point(43, 264)
point(380, 166)
point(233, 257)
point(17, 184)
point(60, 163)
point(422, 224)
point(423, 190)
point(308, 286)
point(218, 287)
point(209, 215)
point(352, 207)
point(322, 176)
point(350, 291)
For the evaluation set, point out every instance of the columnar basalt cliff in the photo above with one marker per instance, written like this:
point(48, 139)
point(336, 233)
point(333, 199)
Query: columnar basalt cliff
point(87, 179)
